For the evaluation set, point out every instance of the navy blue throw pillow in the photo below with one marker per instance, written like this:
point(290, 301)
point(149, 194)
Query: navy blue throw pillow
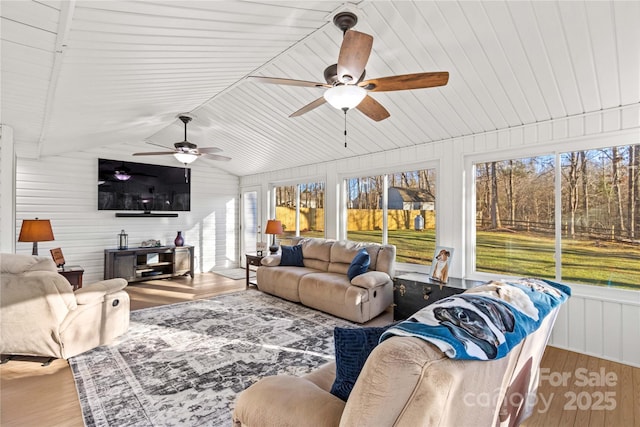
point(353, 346)
point(359, 265)
point(291, 255)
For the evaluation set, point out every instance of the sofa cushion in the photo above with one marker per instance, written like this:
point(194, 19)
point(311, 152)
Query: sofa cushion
point(343, 252)
point(352, 347)
point(282, 281)
point(359, 264)
point(292, 256)
point(316, 253)
point(333, 294)
point(19, 263)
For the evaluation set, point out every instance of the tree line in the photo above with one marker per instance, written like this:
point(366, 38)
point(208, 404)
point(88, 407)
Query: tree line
point(600, 193)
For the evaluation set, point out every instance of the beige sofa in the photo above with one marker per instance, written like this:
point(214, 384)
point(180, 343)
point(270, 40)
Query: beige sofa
point(41, 315)
point(405, 382)
point(323, 283)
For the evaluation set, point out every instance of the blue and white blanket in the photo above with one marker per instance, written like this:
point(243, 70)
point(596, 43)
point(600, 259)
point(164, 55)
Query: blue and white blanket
point(487, 321)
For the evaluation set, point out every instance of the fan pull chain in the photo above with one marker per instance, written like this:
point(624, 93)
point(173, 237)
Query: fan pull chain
point(345, 126)
point(186, 175)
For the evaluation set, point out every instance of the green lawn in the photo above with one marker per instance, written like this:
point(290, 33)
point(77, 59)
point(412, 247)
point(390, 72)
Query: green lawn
point(527, 254)
point(583, 261)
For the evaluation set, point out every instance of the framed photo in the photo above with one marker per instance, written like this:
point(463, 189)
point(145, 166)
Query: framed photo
point(440, 264)
point(261, 247)
point(58, 258)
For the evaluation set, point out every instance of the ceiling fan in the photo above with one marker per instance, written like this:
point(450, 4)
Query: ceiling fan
point(345, 84)
point(185, 151)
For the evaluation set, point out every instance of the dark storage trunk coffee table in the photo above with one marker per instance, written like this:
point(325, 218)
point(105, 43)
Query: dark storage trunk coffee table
point(413, 291)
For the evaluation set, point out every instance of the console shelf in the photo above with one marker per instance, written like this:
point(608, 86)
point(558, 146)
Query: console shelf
point(139, 264)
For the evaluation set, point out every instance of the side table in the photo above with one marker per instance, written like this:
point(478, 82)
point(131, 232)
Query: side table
point(73, 274)
point(414, 291)
point(252, 259)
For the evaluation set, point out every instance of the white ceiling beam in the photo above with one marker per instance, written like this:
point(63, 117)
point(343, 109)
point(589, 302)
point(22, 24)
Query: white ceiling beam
point(64, 26)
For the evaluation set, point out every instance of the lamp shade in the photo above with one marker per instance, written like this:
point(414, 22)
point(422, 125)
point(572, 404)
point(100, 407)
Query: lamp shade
point(36, 230)
point(345, 96)
point(273, 227)
point(185, 158)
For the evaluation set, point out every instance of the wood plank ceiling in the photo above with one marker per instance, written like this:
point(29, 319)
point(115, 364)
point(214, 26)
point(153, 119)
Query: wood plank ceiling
point(113, 75)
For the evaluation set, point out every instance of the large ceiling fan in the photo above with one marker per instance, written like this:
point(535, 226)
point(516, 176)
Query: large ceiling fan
point(185, 151)
point(345, 84)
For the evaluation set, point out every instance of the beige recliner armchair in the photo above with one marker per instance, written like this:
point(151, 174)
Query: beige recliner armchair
point(41, 315)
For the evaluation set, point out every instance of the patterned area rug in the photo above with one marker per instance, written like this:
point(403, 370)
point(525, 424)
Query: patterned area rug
point(183, 364)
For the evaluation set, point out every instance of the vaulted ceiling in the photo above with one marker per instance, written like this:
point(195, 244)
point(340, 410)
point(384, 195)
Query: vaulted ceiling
point(96, 75)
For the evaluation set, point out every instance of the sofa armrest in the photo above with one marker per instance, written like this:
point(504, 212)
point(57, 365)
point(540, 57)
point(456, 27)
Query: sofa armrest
point(371, 279)
point(284, 400)
point(96, 291)
point(270, 260)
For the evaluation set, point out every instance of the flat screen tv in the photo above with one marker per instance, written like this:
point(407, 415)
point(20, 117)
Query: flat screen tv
point(132, 186)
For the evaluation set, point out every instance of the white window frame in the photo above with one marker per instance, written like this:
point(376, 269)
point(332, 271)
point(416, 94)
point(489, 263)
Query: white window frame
point(386, 171)
point(555, 149)
point(296, 183)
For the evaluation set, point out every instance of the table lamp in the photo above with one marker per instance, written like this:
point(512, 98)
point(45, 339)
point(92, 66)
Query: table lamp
point(35, 230)
point(273, 227)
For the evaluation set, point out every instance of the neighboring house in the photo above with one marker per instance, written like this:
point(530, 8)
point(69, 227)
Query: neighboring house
point(410, 199)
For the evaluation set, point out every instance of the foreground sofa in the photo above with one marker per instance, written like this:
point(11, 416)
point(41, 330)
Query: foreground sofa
point(41, 315)
point(322, 282)
point(406, 382)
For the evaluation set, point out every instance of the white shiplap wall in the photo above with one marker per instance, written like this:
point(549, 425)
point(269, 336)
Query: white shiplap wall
point(7, 156)
point(599, 321)
point(64, 189)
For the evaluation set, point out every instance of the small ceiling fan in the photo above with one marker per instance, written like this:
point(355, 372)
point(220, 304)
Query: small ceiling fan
point(345, 84)
point(186, 152)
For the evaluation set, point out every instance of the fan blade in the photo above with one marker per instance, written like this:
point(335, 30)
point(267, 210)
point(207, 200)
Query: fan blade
point(209, 150)
point(154, 153)
point(216, 157)
point(373, 109)
point(406, 82)
point(318, 102)
point(289, 82)
point(354, 54)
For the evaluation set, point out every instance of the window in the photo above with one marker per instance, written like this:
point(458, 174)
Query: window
point(601, 216)
point(364, 208)
point(404, 218)
point(594, 224)
point(300, 208)
point(515, 219)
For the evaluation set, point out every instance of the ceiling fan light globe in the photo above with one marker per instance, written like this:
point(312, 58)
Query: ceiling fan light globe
point(121, 175)
point(185, 158)
point(345, 96)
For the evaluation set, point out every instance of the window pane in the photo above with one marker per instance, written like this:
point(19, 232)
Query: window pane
point(515, 217)
point(250, 220)
point(286, 209)
point(312, 209)
point(411, 217)
point(364, 209)
point(601, 216)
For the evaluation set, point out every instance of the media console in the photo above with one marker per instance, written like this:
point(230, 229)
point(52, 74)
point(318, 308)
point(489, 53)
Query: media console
point(139, 264)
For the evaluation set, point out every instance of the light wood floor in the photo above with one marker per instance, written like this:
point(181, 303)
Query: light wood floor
point(32, 395)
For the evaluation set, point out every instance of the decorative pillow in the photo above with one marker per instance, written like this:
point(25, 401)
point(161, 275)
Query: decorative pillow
point(359, 264)
point(353, 346)
point(291, 255)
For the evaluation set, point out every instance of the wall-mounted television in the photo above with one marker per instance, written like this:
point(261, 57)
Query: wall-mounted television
point(143, 187)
